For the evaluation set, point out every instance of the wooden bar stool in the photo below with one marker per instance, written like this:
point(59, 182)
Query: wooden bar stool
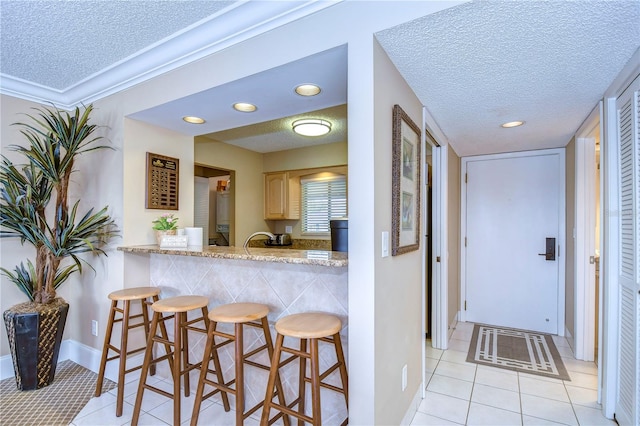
point(311, 327)
point(240, 315)
point(178, 358)
point(129, 322)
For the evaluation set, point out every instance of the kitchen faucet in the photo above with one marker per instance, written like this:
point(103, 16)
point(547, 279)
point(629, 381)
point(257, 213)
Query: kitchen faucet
point(268, 234)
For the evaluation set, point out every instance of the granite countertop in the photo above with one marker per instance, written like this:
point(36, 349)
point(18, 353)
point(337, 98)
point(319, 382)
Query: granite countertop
point(305, 257)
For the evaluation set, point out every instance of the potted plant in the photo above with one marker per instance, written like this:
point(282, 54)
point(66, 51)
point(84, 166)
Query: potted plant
point(165, 225)
point(34, 206)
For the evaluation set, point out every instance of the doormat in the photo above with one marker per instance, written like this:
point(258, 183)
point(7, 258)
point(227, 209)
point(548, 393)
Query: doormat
point(56, 404)
point(518, 350)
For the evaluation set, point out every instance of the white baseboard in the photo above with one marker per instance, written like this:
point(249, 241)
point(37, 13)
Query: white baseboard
point(413, 407)
point(6, 367)
point(79, 353)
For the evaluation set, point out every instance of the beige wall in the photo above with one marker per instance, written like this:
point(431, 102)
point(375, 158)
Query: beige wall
point(332, 154)
point(141, 138)
point(97, 183)
point(453, 233)
point(11, 253)
point(569, 289)
point(398, 284)
point(247, 187)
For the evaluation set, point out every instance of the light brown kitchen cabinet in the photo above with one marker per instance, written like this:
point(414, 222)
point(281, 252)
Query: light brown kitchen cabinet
point(281, 196)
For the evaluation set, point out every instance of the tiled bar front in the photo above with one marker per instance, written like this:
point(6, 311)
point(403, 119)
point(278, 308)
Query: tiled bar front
point(287, 288)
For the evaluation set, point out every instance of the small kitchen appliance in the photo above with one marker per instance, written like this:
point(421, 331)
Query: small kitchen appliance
point(279, 240)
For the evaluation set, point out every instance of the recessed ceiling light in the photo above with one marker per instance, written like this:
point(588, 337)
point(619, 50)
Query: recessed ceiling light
point(512, 124)
point(307, 90)
point(244, 107)
point(193, 120)
point(311, 127)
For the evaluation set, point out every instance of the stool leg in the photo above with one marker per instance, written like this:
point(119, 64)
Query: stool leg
point(275, 364)
point(185, 356)
point(343, 367)
point(239, 349)
point(105, 349)
point(145, 369)
point(315, 382)
point(177, 364)
point(301, 381)
point(209, 351)
point(145, 318)
point(279, 387)
point(164, 335)
point(122, 368)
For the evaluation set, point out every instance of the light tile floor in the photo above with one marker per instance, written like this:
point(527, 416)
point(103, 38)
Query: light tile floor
point(461, 393)
point(458, 393)
point(156, 409)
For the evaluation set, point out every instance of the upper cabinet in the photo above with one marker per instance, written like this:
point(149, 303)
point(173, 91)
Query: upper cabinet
point(281, 196)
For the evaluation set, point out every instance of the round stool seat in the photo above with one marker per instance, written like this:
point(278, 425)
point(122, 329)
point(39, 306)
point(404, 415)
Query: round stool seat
point(180, 303)
point(134, 293)
point(238, 312)
point(311, 325)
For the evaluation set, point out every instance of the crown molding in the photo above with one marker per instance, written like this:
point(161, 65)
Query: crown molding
point(235, 24)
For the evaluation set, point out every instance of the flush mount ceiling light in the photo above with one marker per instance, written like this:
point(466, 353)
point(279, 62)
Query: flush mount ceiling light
point(512, 124)
point(307, 90)
point(193, 120)
point(244, 107)
point(311, 127)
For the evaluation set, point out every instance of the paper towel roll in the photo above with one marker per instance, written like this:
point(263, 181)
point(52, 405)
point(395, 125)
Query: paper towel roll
point(194, 236)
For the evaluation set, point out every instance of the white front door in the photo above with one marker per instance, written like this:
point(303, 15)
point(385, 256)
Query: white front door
point(514, 207)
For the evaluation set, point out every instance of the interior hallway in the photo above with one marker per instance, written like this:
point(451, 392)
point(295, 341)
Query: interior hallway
point(462, 393)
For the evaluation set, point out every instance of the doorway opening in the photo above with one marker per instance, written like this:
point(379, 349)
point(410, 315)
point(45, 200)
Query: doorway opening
point(587, 233)
point(429, 237)
point(214, 201)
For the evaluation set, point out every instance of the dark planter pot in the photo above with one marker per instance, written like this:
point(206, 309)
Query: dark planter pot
point(35, 334)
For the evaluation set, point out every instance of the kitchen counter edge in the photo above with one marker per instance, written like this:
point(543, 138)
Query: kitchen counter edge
point(303, 257)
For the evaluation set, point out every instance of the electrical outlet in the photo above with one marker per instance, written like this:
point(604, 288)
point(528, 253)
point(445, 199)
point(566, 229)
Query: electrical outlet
point(288, 229)
point(404, 377)
point(94, 327)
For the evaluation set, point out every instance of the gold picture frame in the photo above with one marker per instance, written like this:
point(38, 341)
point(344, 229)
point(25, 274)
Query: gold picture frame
point(405, 236)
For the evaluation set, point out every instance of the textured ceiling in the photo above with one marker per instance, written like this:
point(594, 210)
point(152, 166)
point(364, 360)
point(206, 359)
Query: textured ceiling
point(474, 66)
point(50, 42)
point(484, 63)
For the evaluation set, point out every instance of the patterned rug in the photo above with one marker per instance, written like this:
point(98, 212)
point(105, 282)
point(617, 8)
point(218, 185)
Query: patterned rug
point(518, 350)
point(56, 404)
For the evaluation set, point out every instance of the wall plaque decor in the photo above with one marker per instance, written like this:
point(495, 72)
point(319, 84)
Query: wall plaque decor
point(405, 204)
point(162, 182)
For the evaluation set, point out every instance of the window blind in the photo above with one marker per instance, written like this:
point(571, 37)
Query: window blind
point(323, 199)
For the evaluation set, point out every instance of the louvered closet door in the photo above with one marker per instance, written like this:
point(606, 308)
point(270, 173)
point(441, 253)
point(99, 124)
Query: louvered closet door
point(628, 401)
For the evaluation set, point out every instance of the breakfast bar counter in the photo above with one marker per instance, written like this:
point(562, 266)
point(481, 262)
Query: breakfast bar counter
point(277, 255)
point(288, 281)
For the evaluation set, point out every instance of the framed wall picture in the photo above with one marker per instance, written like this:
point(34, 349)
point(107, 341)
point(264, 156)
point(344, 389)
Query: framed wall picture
point(162, 182)
point(405, 235)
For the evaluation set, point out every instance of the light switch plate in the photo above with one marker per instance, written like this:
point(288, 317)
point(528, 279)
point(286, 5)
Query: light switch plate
point(288, 229)
point(385, 243)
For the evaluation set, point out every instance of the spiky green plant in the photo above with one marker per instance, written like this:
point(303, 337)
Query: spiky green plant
point(55, 138)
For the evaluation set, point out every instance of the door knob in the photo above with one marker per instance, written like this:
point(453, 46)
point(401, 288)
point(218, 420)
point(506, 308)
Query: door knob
point(550, 247)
